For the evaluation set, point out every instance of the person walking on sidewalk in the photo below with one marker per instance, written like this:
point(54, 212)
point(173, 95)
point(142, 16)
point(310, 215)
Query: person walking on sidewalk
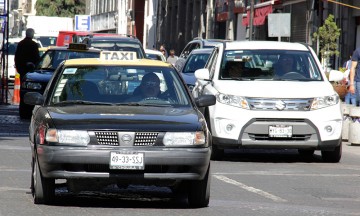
point(27, 51)
point(354, 77)
point(172, 57)
point(350, 98)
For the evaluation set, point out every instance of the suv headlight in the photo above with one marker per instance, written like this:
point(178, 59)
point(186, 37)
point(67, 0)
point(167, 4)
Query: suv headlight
point(232, 100)
point(31, 85)
point(322, 102)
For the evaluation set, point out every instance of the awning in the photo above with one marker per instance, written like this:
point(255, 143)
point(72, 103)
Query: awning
point(259, 15)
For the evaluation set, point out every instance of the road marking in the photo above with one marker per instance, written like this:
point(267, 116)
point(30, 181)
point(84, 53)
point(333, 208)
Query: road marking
point(250, 189)
point(271, 173)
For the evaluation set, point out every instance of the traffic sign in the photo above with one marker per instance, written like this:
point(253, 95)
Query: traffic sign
point(82, 22)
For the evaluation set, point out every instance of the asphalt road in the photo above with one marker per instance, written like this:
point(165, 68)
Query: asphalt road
point(246, 182)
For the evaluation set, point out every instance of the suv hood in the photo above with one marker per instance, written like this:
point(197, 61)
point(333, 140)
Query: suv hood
point(275, 89)
point(40, 76)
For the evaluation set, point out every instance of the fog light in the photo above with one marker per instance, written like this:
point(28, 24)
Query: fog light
point(230, 127)
point(328, 129)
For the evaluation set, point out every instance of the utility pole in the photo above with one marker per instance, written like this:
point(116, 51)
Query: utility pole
point(251, 20)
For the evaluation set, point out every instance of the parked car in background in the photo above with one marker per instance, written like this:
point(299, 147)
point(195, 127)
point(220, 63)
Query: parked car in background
point(196, 60)
point(199, 43)
point(113, 42)
point(93, 131)
point(37, 79)
point(12, 45)
point(270, 95)
point(155, 54)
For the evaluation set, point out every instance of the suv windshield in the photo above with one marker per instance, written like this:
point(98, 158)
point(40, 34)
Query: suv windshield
point(120, 85)
point(269, 65)
point(52, 58)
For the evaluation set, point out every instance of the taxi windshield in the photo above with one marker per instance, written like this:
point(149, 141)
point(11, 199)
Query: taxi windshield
point(282, 65)
point(120, 85)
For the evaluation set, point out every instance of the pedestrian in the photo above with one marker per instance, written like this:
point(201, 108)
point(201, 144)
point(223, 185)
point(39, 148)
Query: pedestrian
point(354, 77)
point(347, 64)
point(350, 98)
point(27, 51)
point(163, 50)
point(172, 57)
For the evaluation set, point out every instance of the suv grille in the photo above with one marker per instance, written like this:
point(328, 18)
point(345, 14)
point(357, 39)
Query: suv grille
point(111, 138)
point(280, 104)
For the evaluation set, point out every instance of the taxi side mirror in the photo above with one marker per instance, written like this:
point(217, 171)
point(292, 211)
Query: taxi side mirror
point(33, 98)
point(205, 100)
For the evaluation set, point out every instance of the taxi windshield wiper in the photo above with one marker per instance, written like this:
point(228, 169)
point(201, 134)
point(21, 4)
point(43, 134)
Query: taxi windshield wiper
point(69, 102)
point(142, 104)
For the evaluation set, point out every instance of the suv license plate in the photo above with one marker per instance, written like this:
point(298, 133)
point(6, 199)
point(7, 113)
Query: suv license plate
point(280, 131)
point(127, 160)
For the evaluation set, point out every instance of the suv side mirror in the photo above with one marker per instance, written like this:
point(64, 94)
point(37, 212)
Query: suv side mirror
point(30, 66)
point(202, 74)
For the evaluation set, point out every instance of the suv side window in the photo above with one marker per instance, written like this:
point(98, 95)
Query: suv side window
point(212, 61)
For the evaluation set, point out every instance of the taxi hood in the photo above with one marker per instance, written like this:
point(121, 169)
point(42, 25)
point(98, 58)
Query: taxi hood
point(125, 118)
point(275, 89)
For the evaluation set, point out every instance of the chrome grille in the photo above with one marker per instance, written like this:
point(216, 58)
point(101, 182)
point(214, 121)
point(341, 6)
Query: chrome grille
point(111, 138)
point(280, 104)
point(107, 138)
point(145, 138)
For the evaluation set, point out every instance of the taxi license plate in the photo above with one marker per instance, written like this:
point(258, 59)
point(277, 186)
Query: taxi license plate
point(127, 160)
point(280, 131)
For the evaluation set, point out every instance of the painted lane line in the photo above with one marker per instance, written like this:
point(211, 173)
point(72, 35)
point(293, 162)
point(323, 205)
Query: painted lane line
point(250, 189)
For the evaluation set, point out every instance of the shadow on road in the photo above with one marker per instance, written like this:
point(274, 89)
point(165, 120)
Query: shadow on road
point(266, 155)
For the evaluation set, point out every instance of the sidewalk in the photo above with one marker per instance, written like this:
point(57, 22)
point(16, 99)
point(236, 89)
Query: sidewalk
point(10, 122)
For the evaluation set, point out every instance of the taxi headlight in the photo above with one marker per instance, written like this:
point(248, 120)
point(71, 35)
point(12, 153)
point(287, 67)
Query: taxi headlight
point(68, 137)
point(184, 138)
point(31, 85)
point(322, 102)
point(232, 100)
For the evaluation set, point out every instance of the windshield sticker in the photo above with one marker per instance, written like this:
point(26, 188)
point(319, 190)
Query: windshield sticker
point(70, 71)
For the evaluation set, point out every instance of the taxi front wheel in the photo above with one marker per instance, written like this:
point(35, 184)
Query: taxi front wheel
point(199, 192)
point(43, 189)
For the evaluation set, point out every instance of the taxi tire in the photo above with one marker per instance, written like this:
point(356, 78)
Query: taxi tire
point(43, 189)
point(25, 111)
point(199, 192)
point(332, 156)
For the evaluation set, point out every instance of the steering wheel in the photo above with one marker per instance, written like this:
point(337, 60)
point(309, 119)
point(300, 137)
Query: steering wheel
point(151, 99)
point(293, 75)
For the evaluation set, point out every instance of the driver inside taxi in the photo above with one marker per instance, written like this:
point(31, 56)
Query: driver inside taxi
point(148, 88)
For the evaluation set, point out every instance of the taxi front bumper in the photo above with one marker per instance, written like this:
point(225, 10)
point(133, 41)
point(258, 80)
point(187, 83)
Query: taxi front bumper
point(159, 163)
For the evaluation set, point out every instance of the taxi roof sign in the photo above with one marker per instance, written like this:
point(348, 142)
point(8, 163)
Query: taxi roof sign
point(78, 46)
point(118, 55)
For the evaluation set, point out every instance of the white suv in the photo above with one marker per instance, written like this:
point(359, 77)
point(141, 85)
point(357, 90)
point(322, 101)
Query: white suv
point(278, 97)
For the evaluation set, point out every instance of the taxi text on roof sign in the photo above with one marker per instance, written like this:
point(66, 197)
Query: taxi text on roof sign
point(117, 55)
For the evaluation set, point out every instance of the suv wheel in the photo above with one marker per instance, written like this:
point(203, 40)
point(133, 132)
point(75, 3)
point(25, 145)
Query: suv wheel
point(332, 156)
point(25, 111)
